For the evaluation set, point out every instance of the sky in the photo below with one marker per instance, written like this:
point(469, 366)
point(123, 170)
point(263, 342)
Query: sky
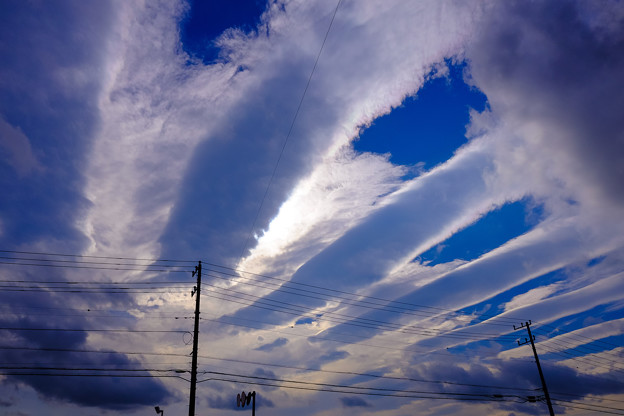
point(382, 195)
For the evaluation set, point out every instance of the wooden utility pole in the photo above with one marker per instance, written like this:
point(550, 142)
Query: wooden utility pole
point(527, 325)
point(196, 291)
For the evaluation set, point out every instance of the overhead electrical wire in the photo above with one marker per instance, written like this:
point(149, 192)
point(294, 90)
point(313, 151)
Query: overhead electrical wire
point(97, 316)
point(87, 312)
point(387, 305)
point(582, 359)
point(290, 130)
point(582, 350)
point(69, 368)
point(22, 259)
point(103, 287)
point(98, 282)
point(7, 373)
point(353, 373)
point(74, 364)
point(52, 349)
point(95, 257)
point(587, 406)
point(262, 364)
point(370, 393)
point(288, 284)
point(587, 397)
point(102, 282)
point(577, 336)
point(341, 341)
point(571, 352)
point(357, 388)
point(68, 266)
point(94, 330)
point(325, 338)
point(297, 310)
point(343, 301)
point(434, 311)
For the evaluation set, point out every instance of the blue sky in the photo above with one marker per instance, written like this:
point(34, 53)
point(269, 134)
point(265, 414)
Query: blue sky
point(379, 191)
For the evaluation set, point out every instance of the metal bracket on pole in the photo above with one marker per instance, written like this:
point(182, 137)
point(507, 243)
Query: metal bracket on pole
point(243, 399)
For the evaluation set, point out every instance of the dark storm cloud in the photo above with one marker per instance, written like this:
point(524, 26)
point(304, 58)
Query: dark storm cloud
point(561, 64)
point(51, 74)
point(515, 374)
point(59, 347)
point(49, 80)
point(104, 392)
point(107, 392)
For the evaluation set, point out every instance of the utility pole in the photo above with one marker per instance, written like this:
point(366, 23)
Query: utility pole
point(196, 292)
point(527, 325)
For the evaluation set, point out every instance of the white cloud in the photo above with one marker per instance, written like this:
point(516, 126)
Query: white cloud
point(531, 297)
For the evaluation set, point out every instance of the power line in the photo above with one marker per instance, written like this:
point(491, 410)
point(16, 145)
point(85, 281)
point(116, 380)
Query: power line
point(292, 125)
point(97, 316)
point(361, 388)
point(238, 361)
point(103, 286)
point(578, 336)
point(350, 392)
point(85, 309)
point(73, 364)
point(63, 266)
point(42, 368)
point(393, 348)
point(346, 319)
point(343, 301)
point(96, 282)
point(353, 373)
point(95, 257)
point(286, 283)
point(6, 373)
point(92, 288)
point(578, 349)
point(588, 406)
point(588, 398)
point(50, 290)
point(51, 349)
point(93, 330)
point(85, 262)
point(584, 349)
point(586, 360)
